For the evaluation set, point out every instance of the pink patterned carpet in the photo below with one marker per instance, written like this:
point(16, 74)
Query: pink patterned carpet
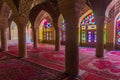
point(12, 68)
point(91, 68)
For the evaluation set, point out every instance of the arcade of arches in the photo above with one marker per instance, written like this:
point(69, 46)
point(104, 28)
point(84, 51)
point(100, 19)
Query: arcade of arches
point(77, 38)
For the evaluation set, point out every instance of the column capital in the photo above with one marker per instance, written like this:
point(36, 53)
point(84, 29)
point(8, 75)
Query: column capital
point(4, 23)
point(20, 21)
point(68, 7)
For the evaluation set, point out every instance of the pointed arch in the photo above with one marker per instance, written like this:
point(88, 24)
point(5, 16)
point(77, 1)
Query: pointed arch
point(14, 31)
point(110, 6)
point(61, 25)
point(87, 30)
point(46, 34)
point(43, 14)
point(38, 24)
point(12, 6)
point(28, 32)
point(83, 16)
point(116, 34)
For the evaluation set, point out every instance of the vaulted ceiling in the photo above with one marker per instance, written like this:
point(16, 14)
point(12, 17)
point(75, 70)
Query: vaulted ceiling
point(26, 7)
point(114, 11)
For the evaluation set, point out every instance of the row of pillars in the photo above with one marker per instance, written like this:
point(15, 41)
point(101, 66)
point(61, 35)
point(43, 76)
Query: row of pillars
point(57, 37)
point(71, 11)
point(71, 46)
point(21, 39)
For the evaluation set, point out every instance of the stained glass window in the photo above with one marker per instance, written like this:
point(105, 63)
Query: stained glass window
point(47, 32)
point(95, 36)
point(47, 24)
point(88, 20)
point(88, 30)
point(62, 31)
point(118, 30)
point(83, 36)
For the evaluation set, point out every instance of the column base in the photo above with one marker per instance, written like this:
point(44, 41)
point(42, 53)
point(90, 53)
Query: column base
point(4, 49)
point(66, 76)
point(63, 76)
point(57, 49)
point(22, 57)
point(74, 77)
point(99, 53)
point(35, 47)
point(99, 56)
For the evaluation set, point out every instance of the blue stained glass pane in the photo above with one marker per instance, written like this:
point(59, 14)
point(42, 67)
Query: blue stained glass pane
point(88, 20)
point(118, 40)
point(118, 18)
point(93, 26)
point(48, 25)
point(118, 24)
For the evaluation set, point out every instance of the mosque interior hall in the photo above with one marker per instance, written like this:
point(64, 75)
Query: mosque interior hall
point(59, 39)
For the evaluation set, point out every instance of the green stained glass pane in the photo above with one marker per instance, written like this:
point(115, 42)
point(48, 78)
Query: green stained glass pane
point(119, 33)
point(83, 37)
point(104, 36)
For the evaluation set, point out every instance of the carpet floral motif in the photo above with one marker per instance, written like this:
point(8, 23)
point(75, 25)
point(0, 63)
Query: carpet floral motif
point(14, 69)
point(107, 68)
point(103, 67)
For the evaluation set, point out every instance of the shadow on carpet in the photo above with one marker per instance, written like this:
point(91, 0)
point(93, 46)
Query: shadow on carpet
point(12, 68)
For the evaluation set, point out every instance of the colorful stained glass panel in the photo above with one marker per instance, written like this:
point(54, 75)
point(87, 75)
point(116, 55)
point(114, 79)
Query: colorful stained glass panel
point(83, 37)
point(118, 30)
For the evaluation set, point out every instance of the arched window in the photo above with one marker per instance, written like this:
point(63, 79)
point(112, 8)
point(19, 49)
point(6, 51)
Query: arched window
point(47, 30)
point(88, 31)
point(14, 31)
point(62, 31)
point(118, 30)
